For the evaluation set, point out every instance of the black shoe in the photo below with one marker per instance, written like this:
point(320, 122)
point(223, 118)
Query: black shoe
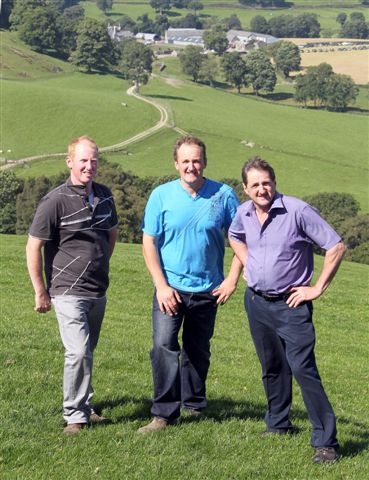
point(326, 455)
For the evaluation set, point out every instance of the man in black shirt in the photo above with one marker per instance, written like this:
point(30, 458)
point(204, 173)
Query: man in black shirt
point(72, 237)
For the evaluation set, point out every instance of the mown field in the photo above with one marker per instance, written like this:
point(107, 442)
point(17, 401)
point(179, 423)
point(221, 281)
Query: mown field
point(226, 444)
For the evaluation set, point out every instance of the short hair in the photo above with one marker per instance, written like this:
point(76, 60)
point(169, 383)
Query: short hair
point(190, 140)
point(76, 141)
point(257, 163)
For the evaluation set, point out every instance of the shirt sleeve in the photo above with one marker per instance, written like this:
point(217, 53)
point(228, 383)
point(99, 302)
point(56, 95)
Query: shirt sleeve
point(45, 220)
point(152, 223)
point(237, 230)
point(317, 229)
point(232, 203)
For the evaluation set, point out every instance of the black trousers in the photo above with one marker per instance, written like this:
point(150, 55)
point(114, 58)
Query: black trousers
point(284, 340)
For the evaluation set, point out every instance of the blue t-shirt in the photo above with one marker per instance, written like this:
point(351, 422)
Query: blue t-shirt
point(190, 232)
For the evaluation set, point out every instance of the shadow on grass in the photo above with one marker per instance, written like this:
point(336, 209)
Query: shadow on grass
point(170, 97)
point(225, 409)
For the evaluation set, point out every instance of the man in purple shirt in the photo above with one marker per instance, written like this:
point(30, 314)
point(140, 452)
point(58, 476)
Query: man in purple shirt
point(273, 235)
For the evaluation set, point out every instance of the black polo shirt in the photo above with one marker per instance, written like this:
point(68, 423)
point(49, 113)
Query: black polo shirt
point(76, 252)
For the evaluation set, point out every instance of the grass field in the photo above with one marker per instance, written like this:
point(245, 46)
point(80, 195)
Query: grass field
point(226, 444)
point(313, 151)
point(326, 11)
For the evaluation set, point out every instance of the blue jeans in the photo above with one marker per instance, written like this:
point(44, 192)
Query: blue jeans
point(179, 375)
point(79, 322)
point(284, 339)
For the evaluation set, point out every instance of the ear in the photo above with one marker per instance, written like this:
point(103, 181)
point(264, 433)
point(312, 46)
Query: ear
point(245, 188)
point(176, 165)
point(68, 161)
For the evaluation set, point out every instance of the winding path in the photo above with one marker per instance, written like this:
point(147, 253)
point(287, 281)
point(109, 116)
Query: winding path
point(132, 91)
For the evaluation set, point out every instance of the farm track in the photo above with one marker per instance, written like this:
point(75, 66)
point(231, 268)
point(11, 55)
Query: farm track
point(132, 91)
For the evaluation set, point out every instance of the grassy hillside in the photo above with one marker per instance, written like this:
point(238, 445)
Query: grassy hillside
point(226, 444)
point(313, 151)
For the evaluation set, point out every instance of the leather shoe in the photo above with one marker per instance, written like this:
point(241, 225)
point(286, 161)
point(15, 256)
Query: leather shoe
point(155, 425)
point(74, 428)
point(326, 455)
point(96, 419)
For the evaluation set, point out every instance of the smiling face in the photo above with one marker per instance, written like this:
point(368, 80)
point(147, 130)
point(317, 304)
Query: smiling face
point(82, 162)
point(190, 165)
point(260, 188)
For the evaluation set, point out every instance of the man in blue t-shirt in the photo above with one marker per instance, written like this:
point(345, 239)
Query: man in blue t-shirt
point(183, 246)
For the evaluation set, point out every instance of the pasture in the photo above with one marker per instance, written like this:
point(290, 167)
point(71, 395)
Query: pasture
point(326, 12)
point(226, 444)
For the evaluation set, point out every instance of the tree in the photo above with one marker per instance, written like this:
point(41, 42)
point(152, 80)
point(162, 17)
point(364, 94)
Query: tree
point(38, 28)
point(341, 91)
point(6, 9)
point(136, 62)
point(188, 21)
point(144, 24)
point(305, 26)
point(355, 230)
point(281, 26)
point(359, 254)
point(216, 40)
point(10, 187)
point(195, 6)
point(231, 23)
point(191, 59)
point(356, 27)
point(208, 70)
point(234, 69)
point(66, 26)
point(160, 5)
point(341, 18)
point(104, 5)
point(313, 84)
point(287, 58)
point(259, 24)
point(260, 72)
point(94, 48)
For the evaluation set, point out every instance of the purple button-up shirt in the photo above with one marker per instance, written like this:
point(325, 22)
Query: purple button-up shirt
point(280, 252)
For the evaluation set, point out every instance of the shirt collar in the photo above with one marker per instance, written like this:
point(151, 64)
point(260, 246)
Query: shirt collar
point(277, 203)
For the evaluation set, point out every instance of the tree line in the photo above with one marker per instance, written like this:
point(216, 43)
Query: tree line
point(19, 199)
point(319, 86)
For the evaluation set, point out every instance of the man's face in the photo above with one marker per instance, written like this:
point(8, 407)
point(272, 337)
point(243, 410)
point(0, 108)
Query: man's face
point(83, 163)
point(190, 164)
point(260, 188)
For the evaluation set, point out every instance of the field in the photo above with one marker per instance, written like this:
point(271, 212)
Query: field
point(226, 444)
point(311, 150)
point(326, 11)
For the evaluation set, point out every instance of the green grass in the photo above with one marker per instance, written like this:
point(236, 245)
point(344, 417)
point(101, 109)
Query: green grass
point(312, 151)
point(326, 11)
point(226, 444)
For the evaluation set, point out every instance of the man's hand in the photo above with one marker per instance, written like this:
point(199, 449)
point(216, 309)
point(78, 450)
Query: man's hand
point(168, 299)
point(42, 302)
point(224, 291)
point(302, 294)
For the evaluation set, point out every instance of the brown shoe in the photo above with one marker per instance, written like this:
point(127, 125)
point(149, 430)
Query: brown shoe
point(96, 419)
point(154, 426)
point(326, 455)
point(74, 428)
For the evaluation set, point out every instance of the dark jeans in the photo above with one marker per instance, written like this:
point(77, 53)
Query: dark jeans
point(284, 339)
point(182, 383)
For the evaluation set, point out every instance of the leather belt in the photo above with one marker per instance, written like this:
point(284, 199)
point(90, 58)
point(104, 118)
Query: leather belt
point(271, 297)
